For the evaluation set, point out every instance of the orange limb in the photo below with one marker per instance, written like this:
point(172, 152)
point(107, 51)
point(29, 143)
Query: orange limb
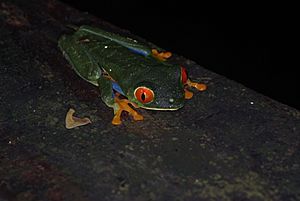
point(198, 86)
point(73, 122)
point(162, 56)
point(188, 94)
point(123, 105)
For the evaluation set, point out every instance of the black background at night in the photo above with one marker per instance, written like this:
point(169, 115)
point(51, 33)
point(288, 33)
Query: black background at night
point(244, 44)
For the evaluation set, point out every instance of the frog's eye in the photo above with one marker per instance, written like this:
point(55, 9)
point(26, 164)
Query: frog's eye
point(184, 76)
point(144, 94)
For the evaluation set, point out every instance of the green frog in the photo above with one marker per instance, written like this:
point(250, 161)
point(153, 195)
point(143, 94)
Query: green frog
point(129, 73)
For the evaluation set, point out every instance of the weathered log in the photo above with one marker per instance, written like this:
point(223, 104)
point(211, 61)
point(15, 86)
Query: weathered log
point(228, 143)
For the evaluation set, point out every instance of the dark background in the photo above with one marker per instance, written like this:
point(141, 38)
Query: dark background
point(247, 44)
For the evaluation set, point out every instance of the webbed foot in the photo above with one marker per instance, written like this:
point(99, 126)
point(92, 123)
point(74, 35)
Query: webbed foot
point(123, 105)
point(162, 56)
point(199, 86)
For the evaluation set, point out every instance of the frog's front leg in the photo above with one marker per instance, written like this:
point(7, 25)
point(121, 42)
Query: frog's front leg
point(198, 86)
point(113, 99)
point(123, 105)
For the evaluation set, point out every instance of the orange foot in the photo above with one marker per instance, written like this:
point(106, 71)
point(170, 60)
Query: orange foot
point(162, 56)
point(198, 86)
point(123, 105)
point(188, 94)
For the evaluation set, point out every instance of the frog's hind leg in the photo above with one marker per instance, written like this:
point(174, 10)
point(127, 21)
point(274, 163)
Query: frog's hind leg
point(162, 56)
point(74, 50)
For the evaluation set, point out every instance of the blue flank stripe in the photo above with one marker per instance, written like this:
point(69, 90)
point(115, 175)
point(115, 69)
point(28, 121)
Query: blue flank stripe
point(139, 51)
point(117, 88)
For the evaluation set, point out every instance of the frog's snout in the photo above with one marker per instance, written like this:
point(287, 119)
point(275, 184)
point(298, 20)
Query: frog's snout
point(174, 103)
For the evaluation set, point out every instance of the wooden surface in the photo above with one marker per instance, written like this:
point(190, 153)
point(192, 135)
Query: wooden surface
point(228, 143)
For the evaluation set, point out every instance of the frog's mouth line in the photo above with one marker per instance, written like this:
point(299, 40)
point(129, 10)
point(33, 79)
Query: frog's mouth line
point(159, 109)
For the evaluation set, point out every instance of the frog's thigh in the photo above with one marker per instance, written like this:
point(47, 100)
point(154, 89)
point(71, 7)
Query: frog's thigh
point(79, 58)
point(106, 91)
point(69, 47)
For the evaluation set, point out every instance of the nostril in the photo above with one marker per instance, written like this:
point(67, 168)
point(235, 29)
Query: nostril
point(171, 100)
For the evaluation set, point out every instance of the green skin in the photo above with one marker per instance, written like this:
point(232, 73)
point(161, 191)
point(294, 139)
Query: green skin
point(94, 52)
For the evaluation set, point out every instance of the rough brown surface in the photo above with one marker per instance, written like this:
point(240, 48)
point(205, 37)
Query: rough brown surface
point(228, 143)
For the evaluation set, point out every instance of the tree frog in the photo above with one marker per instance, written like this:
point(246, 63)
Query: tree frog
point(128, 72)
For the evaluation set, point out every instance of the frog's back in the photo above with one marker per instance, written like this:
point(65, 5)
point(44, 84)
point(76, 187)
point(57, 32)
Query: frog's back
point(129, 68)
point(90, 54)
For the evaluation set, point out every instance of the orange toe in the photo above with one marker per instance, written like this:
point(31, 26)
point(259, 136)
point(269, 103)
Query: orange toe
point(188, 94)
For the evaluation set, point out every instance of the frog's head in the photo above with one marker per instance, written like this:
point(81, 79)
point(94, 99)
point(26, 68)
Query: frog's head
point(163, 92)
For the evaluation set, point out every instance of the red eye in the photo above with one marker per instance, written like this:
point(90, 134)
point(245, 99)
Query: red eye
point(144, 94)
point(184, 76)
